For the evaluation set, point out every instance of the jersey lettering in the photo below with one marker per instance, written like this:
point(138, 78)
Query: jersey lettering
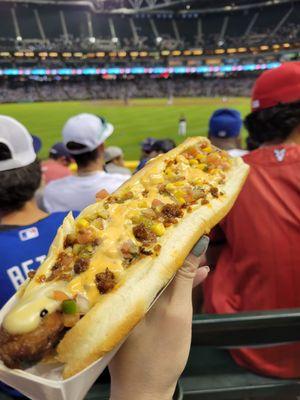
point(18, 275)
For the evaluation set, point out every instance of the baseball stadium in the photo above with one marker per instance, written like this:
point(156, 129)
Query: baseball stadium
point(92, 94)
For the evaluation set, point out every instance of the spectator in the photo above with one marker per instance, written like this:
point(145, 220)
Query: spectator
point(37, 143)
point(145, 151)
point(84, 136)
point(57, 166)
point(225, 131)
point(158, 147)
point(251, 144)
point(114, 161)
point(23, 225)
point(161, 147)
point(258, 263)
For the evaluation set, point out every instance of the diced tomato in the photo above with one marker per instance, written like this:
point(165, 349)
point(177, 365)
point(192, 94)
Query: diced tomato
point(193, 151)
point(156, 203)
point(102, 194)
point(59, 296)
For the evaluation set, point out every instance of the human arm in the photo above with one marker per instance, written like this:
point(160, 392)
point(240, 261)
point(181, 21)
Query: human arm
point(151, 360)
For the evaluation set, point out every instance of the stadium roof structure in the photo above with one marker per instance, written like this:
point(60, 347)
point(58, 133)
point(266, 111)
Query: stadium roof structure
point(137, 6)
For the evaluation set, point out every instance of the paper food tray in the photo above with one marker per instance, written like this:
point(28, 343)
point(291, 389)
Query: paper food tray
point(45, 382)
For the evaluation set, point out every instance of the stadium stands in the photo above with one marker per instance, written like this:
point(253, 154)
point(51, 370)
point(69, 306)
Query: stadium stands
point(60, 25)
point(247, 35)
point(84, 89)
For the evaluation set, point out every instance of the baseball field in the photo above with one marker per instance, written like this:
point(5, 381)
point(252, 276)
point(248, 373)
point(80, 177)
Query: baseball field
point(133, 122)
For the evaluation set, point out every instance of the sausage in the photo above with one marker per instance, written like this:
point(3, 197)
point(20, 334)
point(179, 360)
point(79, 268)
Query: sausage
point(32, 346)
point(105, 281)
point(170, 211)
point(81, 265)
point(144, 234)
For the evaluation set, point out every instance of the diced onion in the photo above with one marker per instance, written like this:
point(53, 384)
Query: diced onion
point(82, 303)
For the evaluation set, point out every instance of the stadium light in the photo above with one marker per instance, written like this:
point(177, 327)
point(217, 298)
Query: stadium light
point(134, 53)
point(158, 39)
point(219, 51)
point(187, 52)
point(143, 53)
point(286, 45)
point(242, 49)
point(67, 55)
point(115, 39)
point(176, 53)
point(221, 43)
point(264, 47)
point(231, 50)
point(197, 52)
point(187, 6)
point(100, 54)
point(122, 54)
point(92, 39)
point(19, 38)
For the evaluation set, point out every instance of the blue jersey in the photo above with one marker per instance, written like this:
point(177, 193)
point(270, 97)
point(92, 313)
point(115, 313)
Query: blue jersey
point(22, 249)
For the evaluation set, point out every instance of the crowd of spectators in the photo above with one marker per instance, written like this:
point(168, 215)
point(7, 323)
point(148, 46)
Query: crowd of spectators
point(121, 89)
point(253, 251)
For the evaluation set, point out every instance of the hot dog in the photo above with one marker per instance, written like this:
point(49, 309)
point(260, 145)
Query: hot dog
point(105, 268)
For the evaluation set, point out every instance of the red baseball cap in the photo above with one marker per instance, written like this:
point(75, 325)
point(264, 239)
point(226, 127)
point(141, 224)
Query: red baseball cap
point(279, 85)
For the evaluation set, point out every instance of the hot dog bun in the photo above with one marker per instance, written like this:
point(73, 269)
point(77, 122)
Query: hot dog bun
point(121, 251)
point(115, 315)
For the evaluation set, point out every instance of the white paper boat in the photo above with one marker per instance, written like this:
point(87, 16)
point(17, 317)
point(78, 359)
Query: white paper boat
point(45, 382)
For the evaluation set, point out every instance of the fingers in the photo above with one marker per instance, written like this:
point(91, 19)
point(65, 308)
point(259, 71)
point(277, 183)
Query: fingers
point(201, 246)
point(189, 275)
point(201, 275)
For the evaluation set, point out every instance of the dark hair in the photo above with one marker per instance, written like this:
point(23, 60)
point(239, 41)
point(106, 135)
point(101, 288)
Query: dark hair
point(251, 144)
point(84, 159)
point(17, 186)
point(163, 146)
point(275, 123)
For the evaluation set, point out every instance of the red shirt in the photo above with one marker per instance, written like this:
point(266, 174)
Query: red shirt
point(259, 266)
point(53, 170)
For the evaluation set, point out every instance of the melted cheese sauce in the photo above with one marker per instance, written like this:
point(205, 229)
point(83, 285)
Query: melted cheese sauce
point(25, 316)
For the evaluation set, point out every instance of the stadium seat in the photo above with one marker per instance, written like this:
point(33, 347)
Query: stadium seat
point(211, 373)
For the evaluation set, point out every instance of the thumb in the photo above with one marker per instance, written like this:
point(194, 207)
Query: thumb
point(189, 270)
point(190, 275)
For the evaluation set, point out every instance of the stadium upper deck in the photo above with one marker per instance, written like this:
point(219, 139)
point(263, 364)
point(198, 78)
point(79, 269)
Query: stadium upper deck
point(146, 28)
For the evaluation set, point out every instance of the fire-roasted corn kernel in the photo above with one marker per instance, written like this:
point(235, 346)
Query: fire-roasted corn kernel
point(158, 229)
point(83, 223)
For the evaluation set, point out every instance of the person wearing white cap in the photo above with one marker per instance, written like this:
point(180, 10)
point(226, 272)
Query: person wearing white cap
point(26, 232)
point(84, 136)
point(114, 161)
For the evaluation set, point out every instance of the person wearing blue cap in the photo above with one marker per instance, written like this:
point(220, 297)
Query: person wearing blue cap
point(224, 132)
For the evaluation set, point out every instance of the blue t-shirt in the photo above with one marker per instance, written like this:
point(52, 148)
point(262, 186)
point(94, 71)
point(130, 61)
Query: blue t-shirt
point(22, 249)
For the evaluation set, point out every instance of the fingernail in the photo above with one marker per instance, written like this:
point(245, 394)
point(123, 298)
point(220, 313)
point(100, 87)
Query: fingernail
point(201, 246)
point(206, 267)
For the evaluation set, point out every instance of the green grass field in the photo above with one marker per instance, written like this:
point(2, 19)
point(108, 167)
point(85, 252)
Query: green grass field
point(141, 118)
